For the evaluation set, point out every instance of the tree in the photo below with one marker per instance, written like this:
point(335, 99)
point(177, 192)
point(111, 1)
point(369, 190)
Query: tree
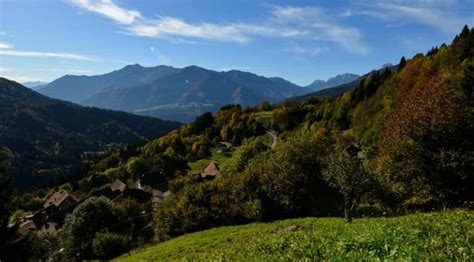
point(5, 195)
point(202, 122)
point(93, 215)
point(349, 177)
point(402, 63)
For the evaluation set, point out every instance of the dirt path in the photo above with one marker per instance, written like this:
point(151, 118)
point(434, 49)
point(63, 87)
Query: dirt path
point(273, 143)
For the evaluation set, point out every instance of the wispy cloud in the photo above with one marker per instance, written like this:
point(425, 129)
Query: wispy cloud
point(9, 52)
point(108, 9)
point(307, 50)
point(7, 49)
point(4, 45)
point(283, 22)
point(20, 79)
point(322, 26)
point(436, 14)
point(296, 13)
point(174, 27)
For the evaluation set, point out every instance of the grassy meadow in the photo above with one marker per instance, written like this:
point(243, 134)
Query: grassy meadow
point(439, 236)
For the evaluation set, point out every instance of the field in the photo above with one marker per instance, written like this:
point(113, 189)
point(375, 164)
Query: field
point(437, 236)
point(220, 157)
point(265, 117)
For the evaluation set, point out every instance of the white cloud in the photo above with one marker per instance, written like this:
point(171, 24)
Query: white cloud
point(284, 22)
point(4, 45)
point(347, 37)
point(174, 27)
point(7, 49)
point(320, 25)
point(11, 52)
point(21, 79)
point(295, 13)
point(436, 14)
point(108, 9)
point(4, 69)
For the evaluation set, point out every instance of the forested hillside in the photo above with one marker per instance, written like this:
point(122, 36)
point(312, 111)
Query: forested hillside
point(50, 140)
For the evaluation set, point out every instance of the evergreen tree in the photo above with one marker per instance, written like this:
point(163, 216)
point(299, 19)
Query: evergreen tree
point(402, 63)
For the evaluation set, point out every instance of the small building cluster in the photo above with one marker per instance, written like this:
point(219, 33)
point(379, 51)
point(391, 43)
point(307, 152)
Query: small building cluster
point(51, 217)
point(55, 209)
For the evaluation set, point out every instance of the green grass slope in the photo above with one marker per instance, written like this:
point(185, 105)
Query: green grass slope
point(425, 236)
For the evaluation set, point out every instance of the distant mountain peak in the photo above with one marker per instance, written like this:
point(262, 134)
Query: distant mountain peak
point(132, 67)
point(333, 81)
point(134, 88)
point(34, 84)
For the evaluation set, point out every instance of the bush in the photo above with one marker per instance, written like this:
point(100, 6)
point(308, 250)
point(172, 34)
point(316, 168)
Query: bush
point(93, 215)
point(108, 245)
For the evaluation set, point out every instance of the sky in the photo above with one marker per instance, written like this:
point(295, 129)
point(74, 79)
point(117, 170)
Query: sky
point(41, 40)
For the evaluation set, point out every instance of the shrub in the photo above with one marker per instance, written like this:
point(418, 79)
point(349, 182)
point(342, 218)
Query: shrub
point(108, 245)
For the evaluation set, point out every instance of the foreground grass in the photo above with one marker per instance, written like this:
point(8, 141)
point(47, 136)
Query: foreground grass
point(424, 236)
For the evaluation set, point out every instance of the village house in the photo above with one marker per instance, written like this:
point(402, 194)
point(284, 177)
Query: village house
point(52, 215)
point(26, 226)
point(159, 196)
point(61, 200)
point(118, 185)
point(210, 171)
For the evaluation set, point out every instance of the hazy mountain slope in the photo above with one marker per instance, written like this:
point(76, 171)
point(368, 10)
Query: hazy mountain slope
point(342, 88)
point(50, 138)
point(169, 92)
point(35, 84)
point(78, 88)
point(274, 89)
point(333, 81)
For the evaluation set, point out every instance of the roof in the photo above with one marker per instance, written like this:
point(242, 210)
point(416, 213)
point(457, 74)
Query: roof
point(118, 185)
point(58, 198)
point(26, 226)
point(159, 196)
point(351, 150)
point(211, 170)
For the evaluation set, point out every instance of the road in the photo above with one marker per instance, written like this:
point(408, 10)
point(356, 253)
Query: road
point(272, 134)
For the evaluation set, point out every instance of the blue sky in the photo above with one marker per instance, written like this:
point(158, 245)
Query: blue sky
point(298, 40)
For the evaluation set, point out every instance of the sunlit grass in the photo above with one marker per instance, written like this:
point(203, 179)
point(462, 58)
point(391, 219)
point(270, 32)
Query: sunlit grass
point(220, 157)
point(425, 236)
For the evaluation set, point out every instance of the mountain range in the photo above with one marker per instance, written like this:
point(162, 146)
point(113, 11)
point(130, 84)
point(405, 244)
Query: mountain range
point(34, 84)
point(333, 81)
point(178, 94)
point(49, 138)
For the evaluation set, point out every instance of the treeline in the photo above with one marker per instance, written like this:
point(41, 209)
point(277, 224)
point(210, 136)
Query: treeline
point(415, 129)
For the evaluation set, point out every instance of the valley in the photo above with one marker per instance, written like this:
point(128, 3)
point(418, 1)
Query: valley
point(163, 131)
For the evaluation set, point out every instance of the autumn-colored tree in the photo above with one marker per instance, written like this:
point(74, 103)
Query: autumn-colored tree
point(424, 154)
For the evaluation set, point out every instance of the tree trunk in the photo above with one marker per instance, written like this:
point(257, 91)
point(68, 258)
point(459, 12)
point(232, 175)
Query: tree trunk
point(347, 211)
